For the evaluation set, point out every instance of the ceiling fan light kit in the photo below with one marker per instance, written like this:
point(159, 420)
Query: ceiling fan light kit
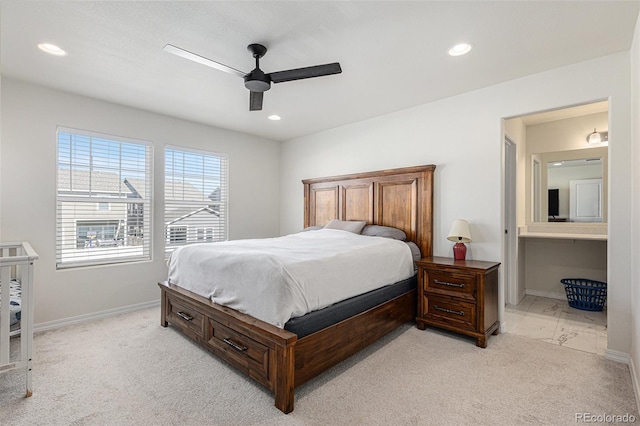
point(257, 81)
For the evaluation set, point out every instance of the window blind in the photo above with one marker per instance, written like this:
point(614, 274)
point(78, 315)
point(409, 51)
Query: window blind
point(196, 197)
point(103, 199)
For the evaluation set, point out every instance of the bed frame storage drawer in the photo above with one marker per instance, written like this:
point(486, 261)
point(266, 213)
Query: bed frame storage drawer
point(248, 355)
point(185, 317)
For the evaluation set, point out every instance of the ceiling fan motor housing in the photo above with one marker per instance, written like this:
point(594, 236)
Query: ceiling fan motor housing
point(257, 81)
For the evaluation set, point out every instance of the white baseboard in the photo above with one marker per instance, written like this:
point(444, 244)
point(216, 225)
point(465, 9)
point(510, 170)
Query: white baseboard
point(635, 381)
point(521, 296)
point(549, 294)
point(503, 327)
point(617, 356)
point(51, 325)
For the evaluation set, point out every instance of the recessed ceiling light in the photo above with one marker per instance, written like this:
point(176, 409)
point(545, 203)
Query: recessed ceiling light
point(274, 117)
point(51, 49)
point(460, 49)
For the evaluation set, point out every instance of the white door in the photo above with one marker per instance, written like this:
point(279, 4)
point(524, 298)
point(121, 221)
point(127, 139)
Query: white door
point(585, 200)
point(510, 224)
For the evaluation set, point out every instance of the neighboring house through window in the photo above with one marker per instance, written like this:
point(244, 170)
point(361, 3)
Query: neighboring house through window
point(196, 193)
point(103, 199)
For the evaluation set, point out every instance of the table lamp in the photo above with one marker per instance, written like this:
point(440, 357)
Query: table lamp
point(459, 234)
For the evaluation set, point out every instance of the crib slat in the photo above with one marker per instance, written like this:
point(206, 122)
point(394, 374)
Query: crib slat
point(5, 280)
point(26, 336)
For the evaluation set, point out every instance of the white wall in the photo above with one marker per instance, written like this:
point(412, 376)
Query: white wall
point(565, 134)
point(548, 260)
point(463, 136)
point(30, 115)
point(635, 233)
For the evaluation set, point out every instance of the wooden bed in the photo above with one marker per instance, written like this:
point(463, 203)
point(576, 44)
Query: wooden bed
point(276, 358)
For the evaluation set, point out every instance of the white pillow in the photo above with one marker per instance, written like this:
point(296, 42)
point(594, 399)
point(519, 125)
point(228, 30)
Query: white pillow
point(354, 226)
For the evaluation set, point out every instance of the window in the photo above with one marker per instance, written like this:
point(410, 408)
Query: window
point(177, 235)
point(205, 234)
point(103, 199)
point(103, 206)
point(195, 193)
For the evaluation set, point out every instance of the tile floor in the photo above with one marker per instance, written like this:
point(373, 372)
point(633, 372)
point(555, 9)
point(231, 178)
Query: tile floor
point(554, 321)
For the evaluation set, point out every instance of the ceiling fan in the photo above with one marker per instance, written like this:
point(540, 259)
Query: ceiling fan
point(257, 81)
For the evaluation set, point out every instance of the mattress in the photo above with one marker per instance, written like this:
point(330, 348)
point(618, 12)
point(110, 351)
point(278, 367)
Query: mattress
point(276, 279)
point(317, 320)
point(15, 296)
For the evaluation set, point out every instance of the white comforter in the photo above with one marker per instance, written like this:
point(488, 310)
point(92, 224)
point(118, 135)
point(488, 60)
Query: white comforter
point(276, 279)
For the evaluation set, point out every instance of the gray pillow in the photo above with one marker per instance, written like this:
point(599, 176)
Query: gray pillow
point(384, 231)
point(311, 228)
point(415, 251)
point(354, 226)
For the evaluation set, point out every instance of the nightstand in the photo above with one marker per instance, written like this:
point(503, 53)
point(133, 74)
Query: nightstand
point(459, 296)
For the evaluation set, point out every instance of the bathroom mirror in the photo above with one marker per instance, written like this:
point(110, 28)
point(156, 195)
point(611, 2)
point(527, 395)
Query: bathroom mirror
point(570, 186)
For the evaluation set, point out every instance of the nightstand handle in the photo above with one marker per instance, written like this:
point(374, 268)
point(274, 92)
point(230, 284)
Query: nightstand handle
point(460, 285)
point(449, 311)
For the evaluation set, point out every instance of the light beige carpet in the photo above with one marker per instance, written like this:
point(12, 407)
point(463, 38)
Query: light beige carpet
point(127, 370)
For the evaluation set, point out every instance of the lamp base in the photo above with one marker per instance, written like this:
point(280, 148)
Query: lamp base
point(459, 251)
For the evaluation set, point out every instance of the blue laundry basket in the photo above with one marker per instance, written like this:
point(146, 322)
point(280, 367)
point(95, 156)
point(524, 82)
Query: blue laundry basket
point(588, 295)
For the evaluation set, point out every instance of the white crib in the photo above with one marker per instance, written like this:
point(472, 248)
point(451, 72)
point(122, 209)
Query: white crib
point(16, 263)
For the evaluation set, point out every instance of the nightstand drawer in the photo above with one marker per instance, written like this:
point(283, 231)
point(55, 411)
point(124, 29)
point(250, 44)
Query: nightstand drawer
point(454, 283)
point(451, 312)
point(185, 317)
point(245, 353)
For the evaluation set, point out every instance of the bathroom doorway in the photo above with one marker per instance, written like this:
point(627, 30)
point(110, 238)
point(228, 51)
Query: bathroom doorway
point(551, 245)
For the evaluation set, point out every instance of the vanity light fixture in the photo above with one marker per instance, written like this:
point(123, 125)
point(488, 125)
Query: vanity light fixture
point(597, 137)
point(274, 117)
point(459, 234)
point(52, 49)
point(460, 49)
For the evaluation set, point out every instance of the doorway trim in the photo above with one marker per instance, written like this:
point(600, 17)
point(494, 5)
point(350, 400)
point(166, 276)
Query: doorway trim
point(510, 236)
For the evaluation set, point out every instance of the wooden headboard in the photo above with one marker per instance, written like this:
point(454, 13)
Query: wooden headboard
point(401, 198)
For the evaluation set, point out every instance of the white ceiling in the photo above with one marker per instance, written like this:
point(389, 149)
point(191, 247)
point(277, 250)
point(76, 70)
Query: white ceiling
point(393, 54)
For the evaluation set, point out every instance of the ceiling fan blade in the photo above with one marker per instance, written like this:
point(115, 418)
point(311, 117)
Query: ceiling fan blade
point(255, 101)
point(202, 60)
point(307, 72)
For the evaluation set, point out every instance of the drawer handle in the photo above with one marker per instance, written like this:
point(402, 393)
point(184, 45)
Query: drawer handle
point(234, 345)
point(184, 316)
point(459, 285)
point(449, 311)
